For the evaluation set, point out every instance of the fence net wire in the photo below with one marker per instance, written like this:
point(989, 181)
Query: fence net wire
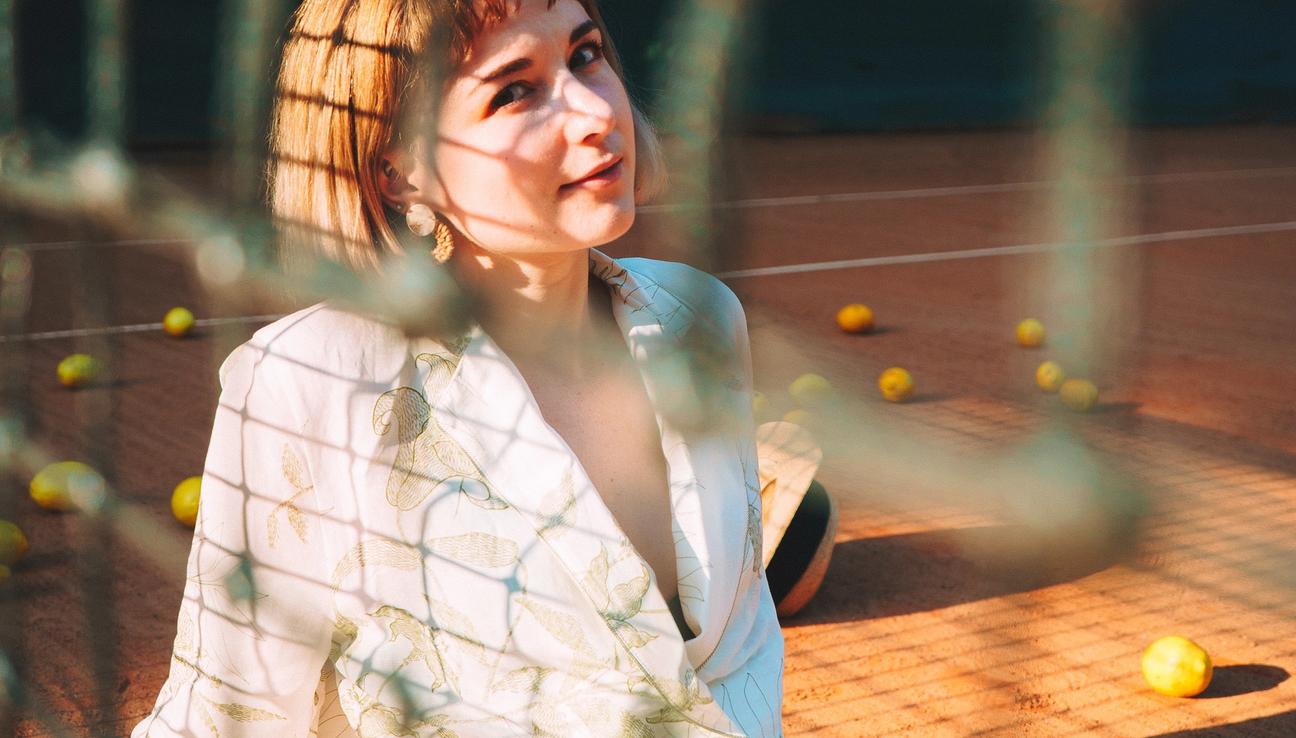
point(1072, 500)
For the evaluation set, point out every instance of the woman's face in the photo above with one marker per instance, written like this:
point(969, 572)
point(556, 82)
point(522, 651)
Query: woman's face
point(534, 144)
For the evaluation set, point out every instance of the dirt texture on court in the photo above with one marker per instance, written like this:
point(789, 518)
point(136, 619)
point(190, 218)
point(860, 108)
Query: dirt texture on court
point(942, 614)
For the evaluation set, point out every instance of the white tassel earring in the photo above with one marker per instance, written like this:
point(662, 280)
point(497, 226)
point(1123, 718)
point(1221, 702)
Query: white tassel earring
point(422, 221)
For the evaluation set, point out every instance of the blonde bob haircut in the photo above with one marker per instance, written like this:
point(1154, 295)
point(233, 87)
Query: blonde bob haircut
point(350, 68)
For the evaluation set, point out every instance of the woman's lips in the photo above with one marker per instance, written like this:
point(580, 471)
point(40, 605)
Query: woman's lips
point(601, 179)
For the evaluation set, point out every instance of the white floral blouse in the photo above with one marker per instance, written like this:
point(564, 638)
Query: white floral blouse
point(393, 542)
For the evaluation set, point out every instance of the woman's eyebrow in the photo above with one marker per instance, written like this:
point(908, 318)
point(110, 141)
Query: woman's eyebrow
point(518, 65)
point(581, 30)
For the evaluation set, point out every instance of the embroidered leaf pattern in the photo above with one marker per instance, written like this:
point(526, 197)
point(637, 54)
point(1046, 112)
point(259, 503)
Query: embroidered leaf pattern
point(563, 627)
point(754, 542)
point(632, 636)
point(345, 631)
point(440, 368)
point(294, 473)
point(426, 455)
point(476, 548)
point(382, 721)
point(556, 506)
point(596, 580)
point(246, 714)
point(407, 410)
point(184, 640)
point(680, 696)
point(479, 493)
point(623, 602)
point(229, 579)
point(452, 458)
point(526, 679)
point(602, 718)
point(207, 718)
point(547, 721)
point(377, 552)
point(459, 344)
point(422, 641)
point(627, 597)
point(457, 625)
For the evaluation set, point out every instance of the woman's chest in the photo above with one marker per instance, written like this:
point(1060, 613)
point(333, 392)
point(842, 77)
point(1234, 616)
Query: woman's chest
point(611, 428)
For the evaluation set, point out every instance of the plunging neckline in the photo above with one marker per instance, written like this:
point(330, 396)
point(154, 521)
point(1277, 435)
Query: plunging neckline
point(677, 612)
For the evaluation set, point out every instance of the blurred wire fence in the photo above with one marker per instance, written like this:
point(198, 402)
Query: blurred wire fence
point(1050, 482)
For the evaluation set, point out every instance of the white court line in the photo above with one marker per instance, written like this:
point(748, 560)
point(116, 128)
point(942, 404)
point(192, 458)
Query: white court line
point(772, 202)
point(1029, 248)
point(819, 266)
point(137, 328)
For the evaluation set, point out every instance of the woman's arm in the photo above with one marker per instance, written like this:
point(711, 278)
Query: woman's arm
point(751, 691)
point(254, 626)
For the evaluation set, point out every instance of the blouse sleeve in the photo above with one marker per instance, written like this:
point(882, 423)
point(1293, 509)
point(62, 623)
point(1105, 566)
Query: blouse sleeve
point(751, 690)
point(254, 627)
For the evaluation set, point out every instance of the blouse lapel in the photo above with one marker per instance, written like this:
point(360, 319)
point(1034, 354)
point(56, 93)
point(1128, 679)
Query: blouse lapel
point(654, 323)
point(489, 409)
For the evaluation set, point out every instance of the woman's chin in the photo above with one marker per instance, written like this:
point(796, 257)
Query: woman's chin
point(610, 224)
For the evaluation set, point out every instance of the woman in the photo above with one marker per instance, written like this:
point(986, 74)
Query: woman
point(547, 524)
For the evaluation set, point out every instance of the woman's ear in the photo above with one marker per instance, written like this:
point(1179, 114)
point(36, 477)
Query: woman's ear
point(393, 179)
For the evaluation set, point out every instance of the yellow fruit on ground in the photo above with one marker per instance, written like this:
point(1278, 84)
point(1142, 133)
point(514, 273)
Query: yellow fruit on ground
point(855, 318)
point(13, 544)
point(896, 384)
point(1030, 333)
point(810, 390)
point(178, 321)
point(1078, 394)
point(1177, 667)
point(184, 500)
point(4, 574)
point(78, 370)
point(799, 417)
point(67, 485)
point(1049, 376)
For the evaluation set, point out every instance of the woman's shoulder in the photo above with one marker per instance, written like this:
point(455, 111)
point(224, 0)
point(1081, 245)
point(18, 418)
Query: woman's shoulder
point(323, 341)
point(701, 291)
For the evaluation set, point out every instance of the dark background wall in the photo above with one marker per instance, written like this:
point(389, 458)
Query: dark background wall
point(844, 65)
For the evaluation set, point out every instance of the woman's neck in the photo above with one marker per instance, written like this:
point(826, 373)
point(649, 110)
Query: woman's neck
point(538, 308)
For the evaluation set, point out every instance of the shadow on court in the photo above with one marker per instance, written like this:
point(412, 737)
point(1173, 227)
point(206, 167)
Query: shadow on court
point(894, 575)
point(1282, 724)
point(1231, 681)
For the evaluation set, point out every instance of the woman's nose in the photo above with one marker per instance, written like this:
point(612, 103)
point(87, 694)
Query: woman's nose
point(590, 116)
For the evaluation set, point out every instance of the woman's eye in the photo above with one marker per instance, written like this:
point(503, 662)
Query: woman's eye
point(586, 54)
point(509, 95)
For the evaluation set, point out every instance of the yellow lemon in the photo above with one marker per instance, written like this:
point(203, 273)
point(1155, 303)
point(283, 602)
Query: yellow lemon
point(1049, 376)
point(1030, 333)
point(896, 384)
point(13, 544)
point(760, 405)
point(1078, 394)
point(810, 390)
point(78, 370)
point(1177, 667)
point(184, 500)
point(4, 574)
point(178, 321)
point(67, 485)
point(799, 417)
point(855, 318)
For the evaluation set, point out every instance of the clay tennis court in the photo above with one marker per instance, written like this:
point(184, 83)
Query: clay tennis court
point(939, 616)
